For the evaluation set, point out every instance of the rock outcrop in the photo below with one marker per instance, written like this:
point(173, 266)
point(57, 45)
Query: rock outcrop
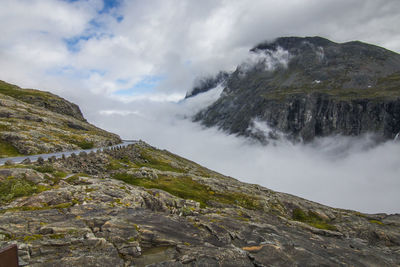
point(140, 206)
point(33, 122)
point(42, 99)
point(310, 87)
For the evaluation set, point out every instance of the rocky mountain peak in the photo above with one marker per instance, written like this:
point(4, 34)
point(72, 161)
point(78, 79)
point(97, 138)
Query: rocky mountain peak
point(310, 86)
point(293, 43)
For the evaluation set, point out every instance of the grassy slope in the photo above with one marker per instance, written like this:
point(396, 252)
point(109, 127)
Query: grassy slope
point(22, 94)
point(386, 88)
point(24, 125)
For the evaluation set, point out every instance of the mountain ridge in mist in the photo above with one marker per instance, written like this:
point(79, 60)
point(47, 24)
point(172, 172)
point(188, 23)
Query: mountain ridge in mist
point(303, 88)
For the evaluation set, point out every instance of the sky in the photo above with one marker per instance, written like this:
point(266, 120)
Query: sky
point(129, 64)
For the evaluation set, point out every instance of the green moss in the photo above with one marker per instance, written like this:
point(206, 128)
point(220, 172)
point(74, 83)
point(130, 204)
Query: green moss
point(312, 219)
point(131, 239)
point(25, 208)
point(114, 165)
point(7, 150)
point(30, 238)
point(376, 222)
point(12, 188)
point(380, 91)
point(156, 159)
point(74, 179)
point(45, 169)
point(159, 165)
point(85, 144)
point(4, 128)
point(60, 174)
point(62, 205)
point(88, 190)
point(186, 188)
point(23, 94)
point(125, 160)
point(57, 236)
point(33, 208)
point(7, 236)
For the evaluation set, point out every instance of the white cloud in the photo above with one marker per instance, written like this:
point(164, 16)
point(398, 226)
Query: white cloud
point(343, 172)
point(268, 59)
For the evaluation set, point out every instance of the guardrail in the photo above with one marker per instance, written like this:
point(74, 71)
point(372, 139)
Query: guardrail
point(34, 158)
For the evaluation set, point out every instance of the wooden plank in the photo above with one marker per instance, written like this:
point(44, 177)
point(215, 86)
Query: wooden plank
point(9, 256)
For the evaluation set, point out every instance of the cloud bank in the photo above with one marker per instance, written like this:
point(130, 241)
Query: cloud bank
point(344, 172)
point(268, 60)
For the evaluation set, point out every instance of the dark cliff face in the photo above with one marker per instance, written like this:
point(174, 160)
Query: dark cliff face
point(310, 87)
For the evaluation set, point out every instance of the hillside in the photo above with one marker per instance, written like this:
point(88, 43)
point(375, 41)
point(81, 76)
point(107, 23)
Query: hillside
point(33, 122)
point(308, 87)
point(141, 206)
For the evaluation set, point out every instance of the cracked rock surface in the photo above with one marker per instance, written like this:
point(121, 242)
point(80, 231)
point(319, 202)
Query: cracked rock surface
point(140, 206)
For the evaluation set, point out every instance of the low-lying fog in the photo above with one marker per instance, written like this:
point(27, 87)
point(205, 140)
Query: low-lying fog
point(350, 173)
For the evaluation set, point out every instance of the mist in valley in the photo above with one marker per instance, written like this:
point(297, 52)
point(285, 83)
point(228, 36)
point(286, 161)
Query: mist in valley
point(345, 172)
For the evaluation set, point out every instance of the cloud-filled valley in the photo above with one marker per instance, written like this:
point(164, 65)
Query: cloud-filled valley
point(345, 172)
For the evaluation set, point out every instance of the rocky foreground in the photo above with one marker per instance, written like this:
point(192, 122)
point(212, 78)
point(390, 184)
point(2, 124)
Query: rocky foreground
point(34, 122)
point(140, 206)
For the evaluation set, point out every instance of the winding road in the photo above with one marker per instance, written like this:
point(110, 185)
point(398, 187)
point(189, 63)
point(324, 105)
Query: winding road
point(59, 154)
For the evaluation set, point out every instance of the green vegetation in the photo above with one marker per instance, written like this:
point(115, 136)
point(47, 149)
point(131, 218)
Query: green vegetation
point(59, 174)
point(385, 88)
point(57, 236)
point(7, 150)
point(45, 169)
point(186, 188)
point(376, 222)
point(23, 94)
point(12, 188)
point(115, 164)
point(74, 179)
point(340, 94)
point(4, 127)
point(85, 144)
point(312, 219)
point(156, 159)
point(391, 80)
point(44, 207)
point(30, 238)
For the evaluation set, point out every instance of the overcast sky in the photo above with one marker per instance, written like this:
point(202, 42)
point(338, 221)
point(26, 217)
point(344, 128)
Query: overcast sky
point(154, 49)
point(127, 63)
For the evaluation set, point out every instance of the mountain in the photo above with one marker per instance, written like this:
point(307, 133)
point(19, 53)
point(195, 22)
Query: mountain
point(309, 87)
point(33, 122)
point(141, 206)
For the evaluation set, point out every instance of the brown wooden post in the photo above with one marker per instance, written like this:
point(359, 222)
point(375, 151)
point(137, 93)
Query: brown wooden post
point(9, 256)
